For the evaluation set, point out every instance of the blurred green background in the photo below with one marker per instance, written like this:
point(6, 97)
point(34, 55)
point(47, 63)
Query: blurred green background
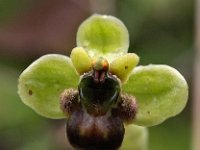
point(161, 32)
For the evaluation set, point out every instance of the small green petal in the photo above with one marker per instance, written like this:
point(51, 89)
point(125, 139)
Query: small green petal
point(135, 138)
point(81, 60)
point(160, 90)
point(41, 84)
point(123, 65)
point(101, 35)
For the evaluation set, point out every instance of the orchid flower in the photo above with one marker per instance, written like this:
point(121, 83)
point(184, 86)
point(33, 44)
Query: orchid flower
point(100, 90)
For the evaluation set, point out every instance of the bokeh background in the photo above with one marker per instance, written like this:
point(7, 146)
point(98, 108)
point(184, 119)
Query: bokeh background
point(161, 32)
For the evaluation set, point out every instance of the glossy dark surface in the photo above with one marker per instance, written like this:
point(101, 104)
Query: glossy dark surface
point(98, 97)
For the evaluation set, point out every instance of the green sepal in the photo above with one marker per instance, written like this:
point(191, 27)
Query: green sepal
point(123, 66)
point(160, 90)
point(41, 84)
point(103, 35)
point(81, 60)
point(135, 138)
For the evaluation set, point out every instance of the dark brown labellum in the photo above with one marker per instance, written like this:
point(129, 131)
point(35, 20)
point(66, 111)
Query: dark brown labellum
point(96, 113)
point(88, 132)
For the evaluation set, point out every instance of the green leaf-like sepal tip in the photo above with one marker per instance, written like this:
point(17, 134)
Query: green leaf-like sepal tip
point(135, 138)
point(123, 66)
point(81, 60)
point(41, 84)
point(160, 90)
point(103, 35)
